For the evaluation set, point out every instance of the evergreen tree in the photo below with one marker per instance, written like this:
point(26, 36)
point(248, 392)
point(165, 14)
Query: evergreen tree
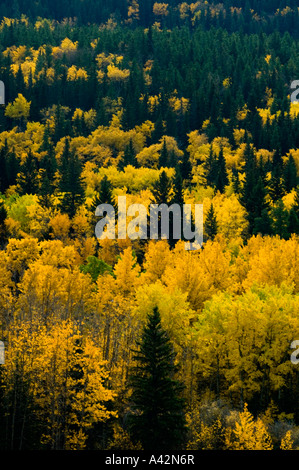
point(129, 157)
point(253, 194)
point(162, 195)
point(103, 195)
point(276, 187)
point(48, 168)
point(163, 160)
point(3, 168)
point(211, 225)
point(70, 183)
point(177, 198)
point(290, 174)
point(210, 168)
point(236, 181)
point(280, 220)
point(28, 177)
point(12, 168)
point(178, 188)
point(161, 189)
point(221, 179)
point(158, 422)
point(293, 223)
point(186, 169)
point(296, 202)
point(262, 224)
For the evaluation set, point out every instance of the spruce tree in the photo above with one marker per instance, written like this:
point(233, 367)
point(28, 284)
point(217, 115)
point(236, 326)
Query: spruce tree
point(211, 225)
point(28, 177)
point(3, 168)
point(70, 183)
point(177, 198)
point(129, 157)
point(186, 168)
point(276, 187)
point(158, 420)
point(103, 195)
point(163, 160)
point(253, 194)
point(293, 222)
point(280, 220)
point(48, 168)
point(221, 179)
point(12, 167)
point(290, 174)
point(296, 202)
point(210, 168)
point(236, 181)
point(161, 189)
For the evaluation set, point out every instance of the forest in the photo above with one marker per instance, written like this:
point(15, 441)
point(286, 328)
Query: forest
point(140, 344)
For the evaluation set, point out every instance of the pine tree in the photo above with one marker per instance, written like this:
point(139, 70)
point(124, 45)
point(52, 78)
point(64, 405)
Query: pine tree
point(178, 188)
point(280, 220)
point(48, 168)
point(177, 198)
point(262, 224)
point(158, 422)
point(211, 225)
point(221, 179)
point(28, 177)
point(104, 195)
point(186, 168)
point(276, 187)
point(293, 222)
point(161, 189)
point(70, 183)
point(129, 157)
point(3, 168)
point(253, 194)
point(296, 202)
point(290, 174)
point(210, 168)
point(236, 181)
point(163, 160)
point(12, 167)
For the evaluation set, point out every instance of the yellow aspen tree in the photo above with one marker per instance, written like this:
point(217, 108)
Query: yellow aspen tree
point(127, 273)
point(160, 9)
point(19, 109)
point(157, 258)
point(187, 274)
point(6, 297)
point(19, 254)
point(114, 323)
point(273, 261)
point(249, 434)
point(49, 293)
point(67, 380)
point(287, 441)
point(60, 226)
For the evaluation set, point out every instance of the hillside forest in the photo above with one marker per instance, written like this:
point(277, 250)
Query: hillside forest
point(177, 102)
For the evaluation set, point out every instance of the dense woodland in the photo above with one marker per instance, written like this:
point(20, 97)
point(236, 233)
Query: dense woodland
point(165, 103)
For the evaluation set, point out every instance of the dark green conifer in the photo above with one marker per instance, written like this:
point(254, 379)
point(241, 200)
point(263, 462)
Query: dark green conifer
point(157, 419)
